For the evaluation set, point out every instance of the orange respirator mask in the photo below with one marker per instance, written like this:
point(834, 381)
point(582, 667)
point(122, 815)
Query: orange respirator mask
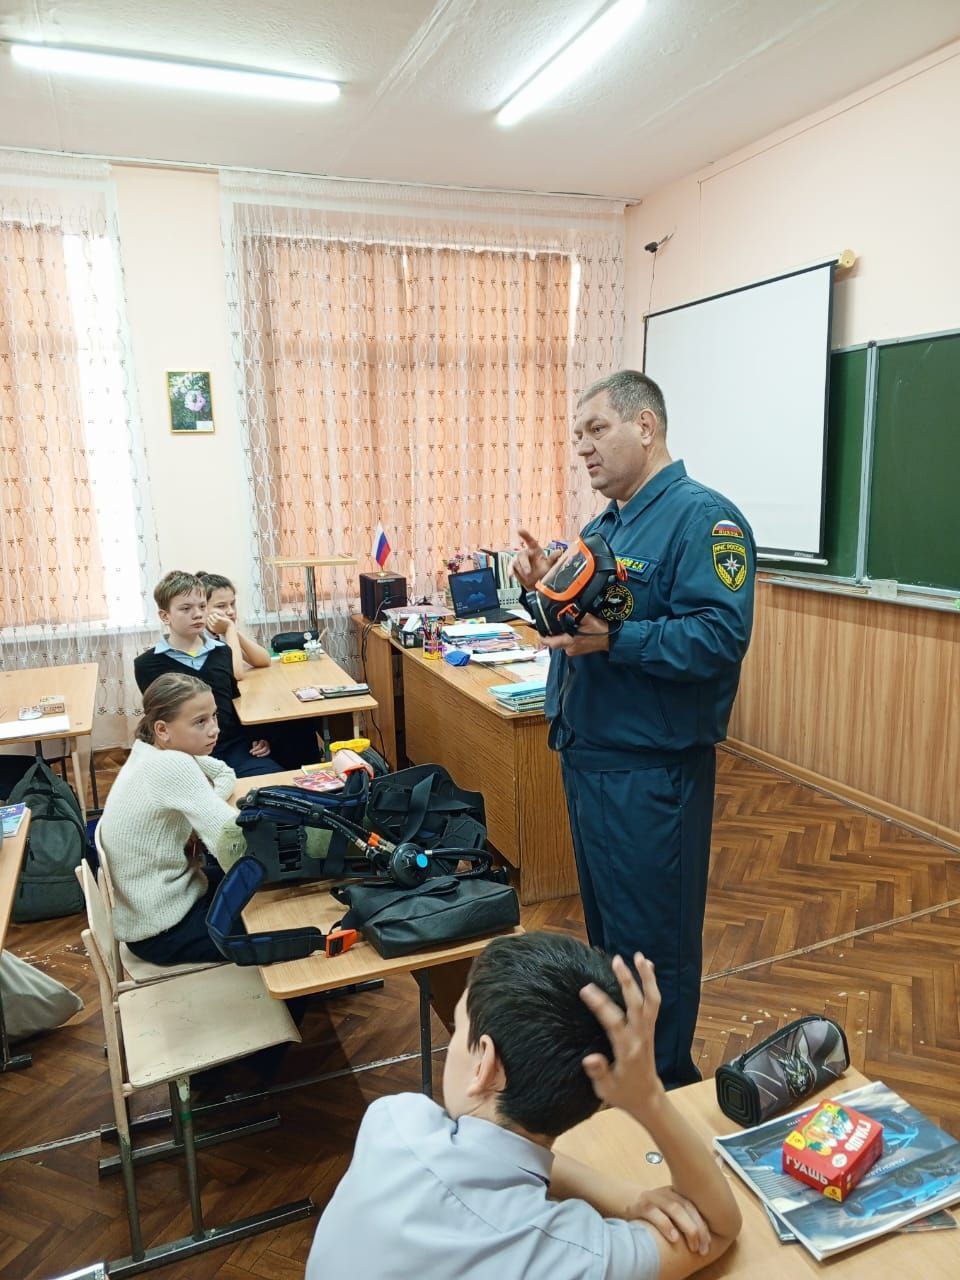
point(579, 583)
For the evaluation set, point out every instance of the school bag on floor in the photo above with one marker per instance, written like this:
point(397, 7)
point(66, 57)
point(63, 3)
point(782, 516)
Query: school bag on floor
point(56, 842)
point(32, 1000)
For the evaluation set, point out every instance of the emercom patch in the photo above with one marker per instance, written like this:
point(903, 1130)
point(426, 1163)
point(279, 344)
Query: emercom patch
point(730, 562)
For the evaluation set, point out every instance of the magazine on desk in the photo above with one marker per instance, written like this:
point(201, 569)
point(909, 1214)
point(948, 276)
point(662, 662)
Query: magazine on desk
point(917, 1175)
point(11, 816)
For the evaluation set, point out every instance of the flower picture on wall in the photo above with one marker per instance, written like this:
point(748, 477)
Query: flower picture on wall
point(191, 402)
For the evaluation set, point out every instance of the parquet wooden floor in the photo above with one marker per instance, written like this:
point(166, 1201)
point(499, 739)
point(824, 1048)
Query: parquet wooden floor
point(814, 905)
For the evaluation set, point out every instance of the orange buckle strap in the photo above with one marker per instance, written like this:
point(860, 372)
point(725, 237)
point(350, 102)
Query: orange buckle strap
point(339, 940)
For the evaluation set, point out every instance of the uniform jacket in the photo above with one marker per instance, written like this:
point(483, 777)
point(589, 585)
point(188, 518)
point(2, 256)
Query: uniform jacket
point(681, 625)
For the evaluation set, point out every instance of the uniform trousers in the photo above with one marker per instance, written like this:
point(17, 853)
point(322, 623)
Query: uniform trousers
point(641, 836)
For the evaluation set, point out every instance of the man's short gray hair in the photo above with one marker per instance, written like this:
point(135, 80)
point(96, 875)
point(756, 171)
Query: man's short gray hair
point(630, 393)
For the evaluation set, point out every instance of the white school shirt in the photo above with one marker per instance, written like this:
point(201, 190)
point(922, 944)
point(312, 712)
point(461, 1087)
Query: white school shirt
point(430, 1198)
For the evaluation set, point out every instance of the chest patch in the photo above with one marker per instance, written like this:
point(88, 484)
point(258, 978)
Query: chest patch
point(639, 568)
point(730, 563)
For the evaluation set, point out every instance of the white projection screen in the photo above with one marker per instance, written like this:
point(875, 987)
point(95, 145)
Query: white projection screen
point(745, 378)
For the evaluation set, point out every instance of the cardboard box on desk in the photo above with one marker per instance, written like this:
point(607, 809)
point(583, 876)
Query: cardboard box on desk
point(52, 704)
point(831, 1148)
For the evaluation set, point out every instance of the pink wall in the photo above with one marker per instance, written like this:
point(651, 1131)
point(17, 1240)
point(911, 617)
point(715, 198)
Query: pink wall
point(878, 173)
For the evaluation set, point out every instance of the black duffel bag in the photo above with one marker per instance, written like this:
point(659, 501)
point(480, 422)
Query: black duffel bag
point(424, 805)
point(447, 909)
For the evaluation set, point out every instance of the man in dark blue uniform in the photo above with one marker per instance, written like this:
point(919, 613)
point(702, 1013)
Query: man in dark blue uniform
point(638, 699)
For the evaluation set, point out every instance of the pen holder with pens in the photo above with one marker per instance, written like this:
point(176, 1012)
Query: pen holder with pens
point(432, 645)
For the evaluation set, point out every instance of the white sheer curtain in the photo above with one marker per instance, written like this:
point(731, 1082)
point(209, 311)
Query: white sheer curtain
point(412, 356)
point(77, 547)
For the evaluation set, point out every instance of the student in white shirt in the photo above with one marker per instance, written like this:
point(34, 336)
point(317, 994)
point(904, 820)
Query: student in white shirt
point(473, 1189)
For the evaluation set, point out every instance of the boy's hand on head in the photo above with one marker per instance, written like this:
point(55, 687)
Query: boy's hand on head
point(673, 1215)
point(630, 1081)
point(217, 622)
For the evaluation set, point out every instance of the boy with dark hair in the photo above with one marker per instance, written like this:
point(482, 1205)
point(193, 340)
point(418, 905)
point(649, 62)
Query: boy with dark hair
point(472, 1189)
point(182, 606)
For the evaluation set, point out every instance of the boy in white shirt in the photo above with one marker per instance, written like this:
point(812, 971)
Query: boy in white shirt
point(473, 1189)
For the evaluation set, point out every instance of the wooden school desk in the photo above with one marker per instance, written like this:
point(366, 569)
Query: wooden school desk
point(11, 860)
point(440, 972)
point(266, 693)
point(78, 685)
point(615, 1143)
point(434, 713)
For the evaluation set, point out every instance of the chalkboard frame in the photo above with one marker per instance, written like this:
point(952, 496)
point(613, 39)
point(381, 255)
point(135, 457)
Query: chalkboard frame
point(857, 579)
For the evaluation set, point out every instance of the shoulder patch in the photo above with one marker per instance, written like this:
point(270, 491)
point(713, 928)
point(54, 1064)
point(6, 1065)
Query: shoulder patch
point(726, 529)
point(730, 563)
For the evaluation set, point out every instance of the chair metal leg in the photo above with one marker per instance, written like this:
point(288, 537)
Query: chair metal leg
point(202, 1238)
point(164, 1254)
point(108, 1165)
point(190, 1155)
point(426, 1039)
point(130, 1188)
point(176, 1123)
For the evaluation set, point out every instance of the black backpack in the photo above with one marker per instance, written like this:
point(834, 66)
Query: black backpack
point(425, 805)
point(56, 842)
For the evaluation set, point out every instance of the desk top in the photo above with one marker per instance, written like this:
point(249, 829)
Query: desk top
point(266, 693)
point(11, 859)
point(474, 679)
point(312, 562)
point(78, 684)
point(311, 904)
point(615, 1143)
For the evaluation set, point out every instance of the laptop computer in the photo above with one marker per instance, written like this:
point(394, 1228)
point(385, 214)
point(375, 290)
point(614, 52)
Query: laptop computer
point(474, 595)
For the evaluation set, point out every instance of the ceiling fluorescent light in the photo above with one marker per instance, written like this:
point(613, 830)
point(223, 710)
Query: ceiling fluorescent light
point(572, 61)
point(170, 74)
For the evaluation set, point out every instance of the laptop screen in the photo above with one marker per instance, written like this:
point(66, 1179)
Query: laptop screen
point(473, 591)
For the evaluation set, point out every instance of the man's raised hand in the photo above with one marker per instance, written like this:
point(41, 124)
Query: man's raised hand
point(530, 564)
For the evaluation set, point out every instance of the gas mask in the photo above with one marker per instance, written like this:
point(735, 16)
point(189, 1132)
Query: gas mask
point(578, 583)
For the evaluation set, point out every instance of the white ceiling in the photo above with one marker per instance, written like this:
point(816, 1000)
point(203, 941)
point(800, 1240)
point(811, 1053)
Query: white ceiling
point(693, 81)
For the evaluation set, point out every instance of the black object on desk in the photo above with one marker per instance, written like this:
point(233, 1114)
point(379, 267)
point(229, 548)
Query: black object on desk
point(379, 591)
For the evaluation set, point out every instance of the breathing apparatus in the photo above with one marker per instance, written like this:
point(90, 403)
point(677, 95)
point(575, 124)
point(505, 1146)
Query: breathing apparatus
point(579, 583)
point(406, 864)
point(358, 851)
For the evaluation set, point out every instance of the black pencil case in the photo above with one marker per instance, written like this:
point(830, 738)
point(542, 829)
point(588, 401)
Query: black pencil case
point(775, 1075)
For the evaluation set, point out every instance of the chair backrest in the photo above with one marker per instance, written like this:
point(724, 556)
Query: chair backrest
point(106, 880)
point(101, 926)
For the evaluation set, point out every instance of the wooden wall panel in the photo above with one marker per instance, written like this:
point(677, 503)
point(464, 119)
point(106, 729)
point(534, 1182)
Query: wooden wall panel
point(860, 692)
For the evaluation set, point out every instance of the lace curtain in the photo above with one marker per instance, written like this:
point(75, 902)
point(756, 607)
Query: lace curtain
point(77, 552)
point(411, 357)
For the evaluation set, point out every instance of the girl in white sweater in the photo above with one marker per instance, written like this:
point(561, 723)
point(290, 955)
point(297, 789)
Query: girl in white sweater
point(169, 787)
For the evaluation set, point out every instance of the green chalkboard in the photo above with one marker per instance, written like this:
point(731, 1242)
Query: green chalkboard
point(848, 391)
point(914, 530)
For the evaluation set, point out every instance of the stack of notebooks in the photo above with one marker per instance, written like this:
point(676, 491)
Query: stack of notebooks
point(523, 695)
point(469, 633)
point(907, 1189)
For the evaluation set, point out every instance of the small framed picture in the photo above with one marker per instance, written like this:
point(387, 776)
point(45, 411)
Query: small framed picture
point(191, 402)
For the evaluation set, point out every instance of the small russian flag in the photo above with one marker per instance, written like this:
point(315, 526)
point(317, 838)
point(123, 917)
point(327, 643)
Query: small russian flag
point(381, 547)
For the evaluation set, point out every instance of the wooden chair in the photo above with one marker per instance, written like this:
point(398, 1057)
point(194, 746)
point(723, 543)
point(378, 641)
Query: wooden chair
point(162, 1033)
point(137, 971)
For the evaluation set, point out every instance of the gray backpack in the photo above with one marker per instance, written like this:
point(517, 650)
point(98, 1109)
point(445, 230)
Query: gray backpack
point(56, 842)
